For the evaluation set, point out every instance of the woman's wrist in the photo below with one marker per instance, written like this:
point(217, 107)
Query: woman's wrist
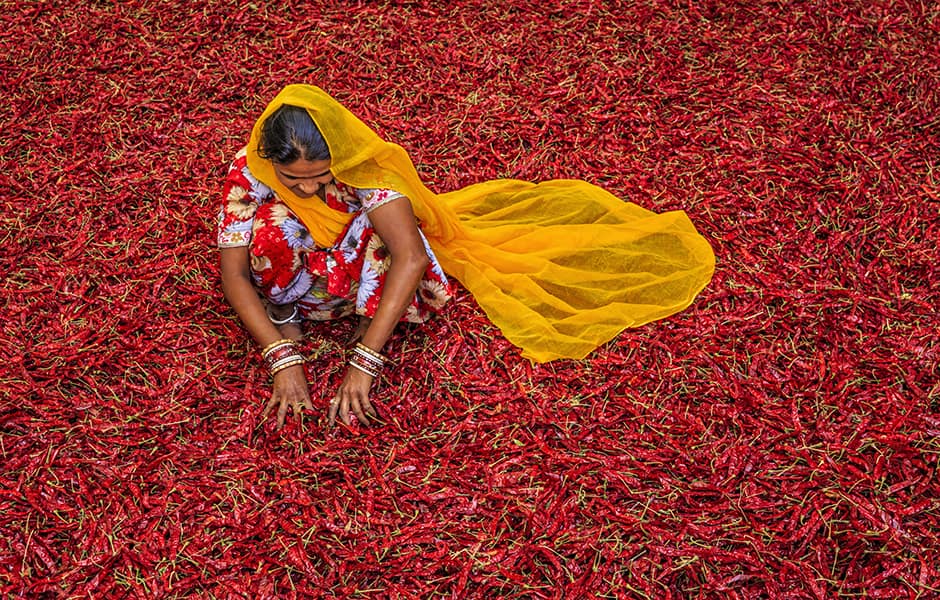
point(280, 355)
point(367, 360)
point(289, 370)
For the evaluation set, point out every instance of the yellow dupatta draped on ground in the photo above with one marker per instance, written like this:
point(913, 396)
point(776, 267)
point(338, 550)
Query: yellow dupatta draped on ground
point(560, 266)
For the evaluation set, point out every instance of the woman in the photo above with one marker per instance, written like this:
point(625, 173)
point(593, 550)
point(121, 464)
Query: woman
point(373, 270)
point(325, 219)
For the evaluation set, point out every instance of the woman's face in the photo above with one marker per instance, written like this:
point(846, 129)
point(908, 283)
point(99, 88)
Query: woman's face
point(305, 178)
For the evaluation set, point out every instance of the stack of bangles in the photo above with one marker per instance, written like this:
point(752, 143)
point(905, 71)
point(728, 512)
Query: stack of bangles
point(367, 360)
point(280, 354)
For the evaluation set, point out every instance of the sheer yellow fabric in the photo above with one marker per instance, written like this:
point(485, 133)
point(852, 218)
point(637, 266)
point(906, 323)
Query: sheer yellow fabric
point(560, 266)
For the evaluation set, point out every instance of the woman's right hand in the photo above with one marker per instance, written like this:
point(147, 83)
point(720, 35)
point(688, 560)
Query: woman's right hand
point(289, 390)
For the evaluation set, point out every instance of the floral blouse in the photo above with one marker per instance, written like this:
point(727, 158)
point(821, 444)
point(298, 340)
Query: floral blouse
point(287, 266)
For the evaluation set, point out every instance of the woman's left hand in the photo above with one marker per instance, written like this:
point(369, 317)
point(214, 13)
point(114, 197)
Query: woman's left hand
point(353, 397)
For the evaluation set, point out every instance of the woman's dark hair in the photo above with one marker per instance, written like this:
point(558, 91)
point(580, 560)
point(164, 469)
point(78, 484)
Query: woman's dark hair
point(288, 134)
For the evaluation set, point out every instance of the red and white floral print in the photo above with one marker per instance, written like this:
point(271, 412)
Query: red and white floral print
point(326, 283)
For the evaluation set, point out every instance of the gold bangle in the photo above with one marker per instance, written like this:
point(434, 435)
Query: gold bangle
point(374, 353)
point(289, 358)
point(368, 358)
point(365, 370)
point(280, 366)
point(275, 344)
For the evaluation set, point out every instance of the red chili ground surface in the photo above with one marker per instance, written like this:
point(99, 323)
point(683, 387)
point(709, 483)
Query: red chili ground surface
point(776, 440)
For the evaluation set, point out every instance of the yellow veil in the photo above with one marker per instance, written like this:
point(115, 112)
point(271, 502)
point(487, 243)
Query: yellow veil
point(560, 266)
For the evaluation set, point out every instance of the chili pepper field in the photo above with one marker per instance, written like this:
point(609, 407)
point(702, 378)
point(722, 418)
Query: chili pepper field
point(778, 439)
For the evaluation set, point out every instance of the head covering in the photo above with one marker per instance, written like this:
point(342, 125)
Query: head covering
point(560, 267)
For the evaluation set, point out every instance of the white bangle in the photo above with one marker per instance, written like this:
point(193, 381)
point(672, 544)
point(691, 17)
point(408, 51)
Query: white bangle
point(369, 359)
point(372, 374)
point(291, 319)
point(289, 361)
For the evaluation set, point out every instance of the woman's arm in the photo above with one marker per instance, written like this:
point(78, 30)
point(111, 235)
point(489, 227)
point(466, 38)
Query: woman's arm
point(290, 384)
point(395, 225)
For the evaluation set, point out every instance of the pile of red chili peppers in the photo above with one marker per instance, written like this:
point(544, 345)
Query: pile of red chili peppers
point(779, 439)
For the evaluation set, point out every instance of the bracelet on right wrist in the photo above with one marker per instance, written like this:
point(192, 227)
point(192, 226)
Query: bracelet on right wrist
point(285, 363)
point(367, 360)
point(281, 354)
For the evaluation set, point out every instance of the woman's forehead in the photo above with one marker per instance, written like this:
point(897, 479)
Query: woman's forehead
point(304, 169)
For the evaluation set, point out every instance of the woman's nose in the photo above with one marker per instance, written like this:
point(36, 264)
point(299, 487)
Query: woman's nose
point(308, 188)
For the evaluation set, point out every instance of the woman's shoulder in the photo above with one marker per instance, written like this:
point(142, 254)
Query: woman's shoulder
point(346, 197)
point(239, 174)
point(240, 161)
point(372, 198)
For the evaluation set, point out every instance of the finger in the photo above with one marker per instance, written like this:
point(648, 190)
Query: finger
point(344, 412)
point(269, 407)
point(369, 409)
point(334, 406)
point(281, 413)
point(299, 411)
point(360, 414)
